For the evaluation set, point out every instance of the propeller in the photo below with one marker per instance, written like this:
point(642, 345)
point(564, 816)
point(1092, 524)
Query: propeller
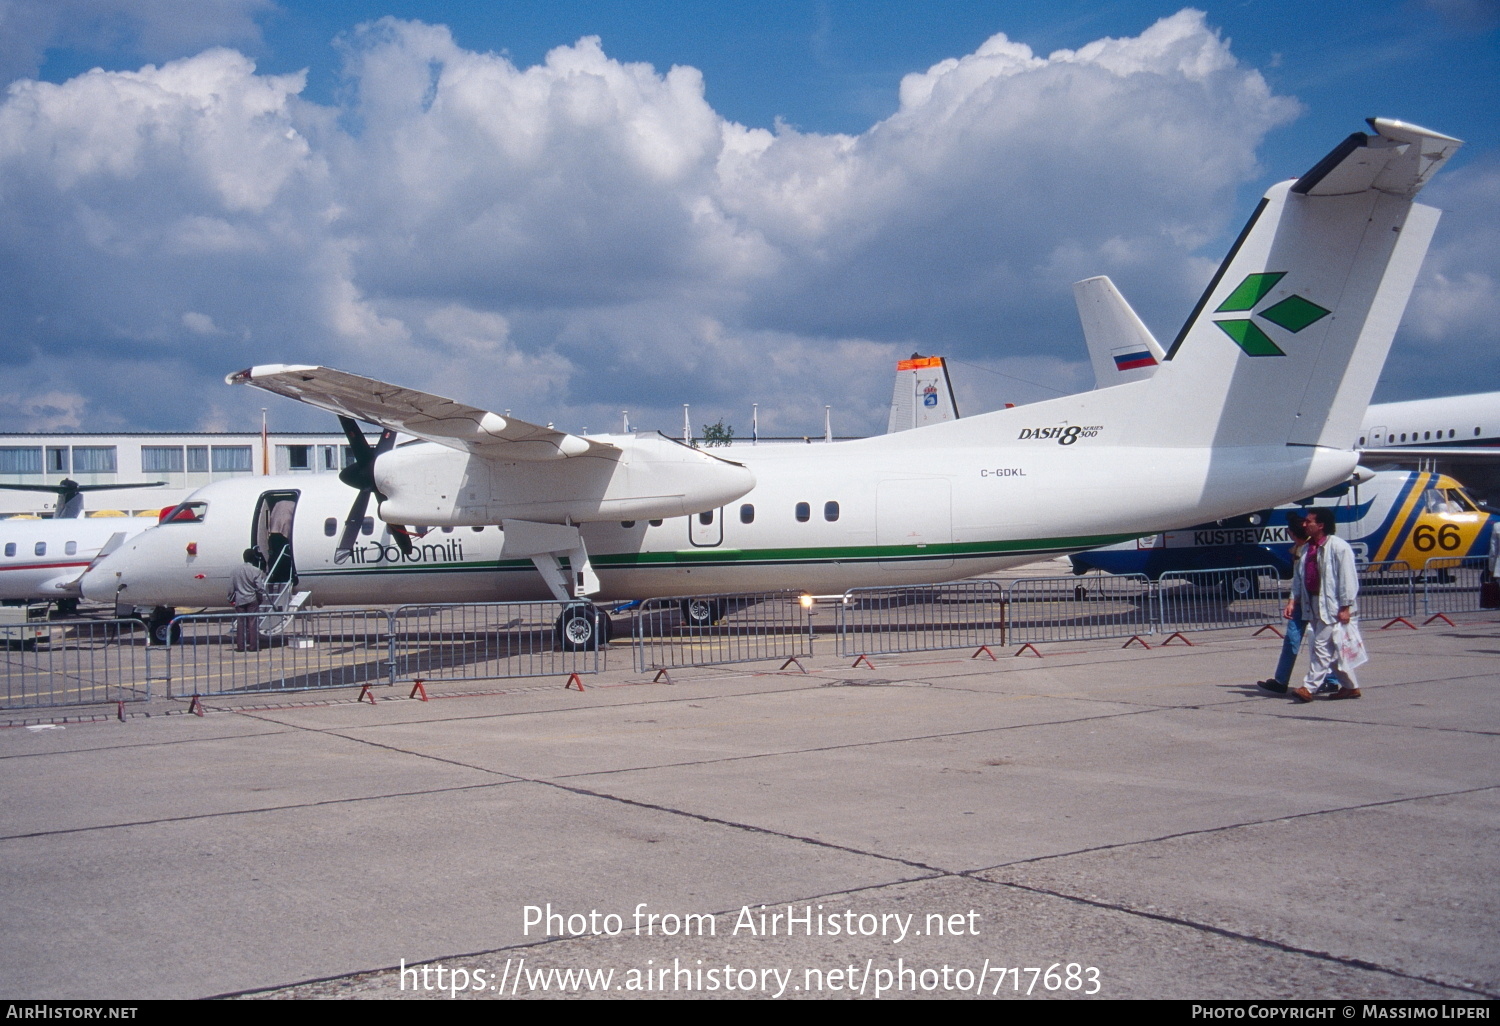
point(361, 475)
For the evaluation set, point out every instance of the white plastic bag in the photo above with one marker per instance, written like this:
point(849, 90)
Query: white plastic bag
point(1351, 645)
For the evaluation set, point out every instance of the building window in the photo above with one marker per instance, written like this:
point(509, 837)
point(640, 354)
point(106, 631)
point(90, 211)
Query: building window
point(20, 460)
point(162, 459)
point(298, 457)
point(231, 459)
point(830, 511)
point(804, 512)
point(747, 513)
point(58, 461)
point(197, 459)
point(93, 459)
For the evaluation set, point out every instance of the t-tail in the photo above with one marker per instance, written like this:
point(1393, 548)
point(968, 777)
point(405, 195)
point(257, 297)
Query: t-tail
point(1294, 328)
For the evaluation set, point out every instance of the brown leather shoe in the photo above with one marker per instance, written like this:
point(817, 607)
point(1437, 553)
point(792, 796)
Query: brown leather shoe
point(1301, 694)
point(1345, 693)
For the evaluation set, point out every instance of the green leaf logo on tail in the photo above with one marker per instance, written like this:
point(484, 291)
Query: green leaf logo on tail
point(1293, 314)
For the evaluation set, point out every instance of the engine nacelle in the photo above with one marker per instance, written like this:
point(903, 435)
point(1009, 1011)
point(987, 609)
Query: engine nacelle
point(649, 478)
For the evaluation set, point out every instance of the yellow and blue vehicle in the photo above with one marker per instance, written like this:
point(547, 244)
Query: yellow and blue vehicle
point(1410, 516)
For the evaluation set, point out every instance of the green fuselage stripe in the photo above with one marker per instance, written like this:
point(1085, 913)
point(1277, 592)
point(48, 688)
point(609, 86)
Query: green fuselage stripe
point(725, 557)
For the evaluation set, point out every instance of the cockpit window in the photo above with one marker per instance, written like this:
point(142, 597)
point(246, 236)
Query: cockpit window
point(1447, 500)
point(185, 513)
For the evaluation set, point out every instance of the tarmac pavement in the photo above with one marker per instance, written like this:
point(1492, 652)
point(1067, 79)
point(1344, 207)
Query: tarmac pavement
point(1143, 823)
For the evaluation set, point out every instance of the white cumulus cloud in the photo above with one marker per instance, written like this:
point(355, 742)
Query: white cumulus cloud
point(588, 235)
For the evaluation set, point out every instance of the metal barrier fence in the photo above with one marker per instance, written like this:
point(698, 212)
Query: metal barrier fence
point(1387, 591)
point(75, 662)
point(1451, 584)
point(710, 630)
point(882, 621)
point(485, 641)
point(1209, 600)
point(220, 654)
point(1079, 608)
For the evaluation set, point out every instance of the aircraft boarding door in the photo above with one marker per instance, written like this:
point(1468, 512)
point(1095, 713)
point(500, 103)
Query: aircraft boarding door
point(705, 530)
point(909, 517)
point(1377, 437)
point(271, 533)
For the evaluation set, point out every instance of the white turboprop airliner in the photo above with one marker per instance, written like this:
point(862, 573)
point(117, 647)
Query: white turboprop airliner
point(1258, 402)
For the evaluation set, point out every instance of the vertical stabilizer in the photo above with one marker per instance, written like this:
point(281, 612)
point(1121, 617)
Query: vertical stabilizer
point(923, 394)
point(1121, 347)
point(1294, 329)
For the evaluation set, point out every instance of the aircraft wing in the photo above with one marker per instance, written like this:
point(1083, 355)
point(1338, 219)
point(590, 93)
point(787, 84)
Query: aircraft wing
point(420, 414)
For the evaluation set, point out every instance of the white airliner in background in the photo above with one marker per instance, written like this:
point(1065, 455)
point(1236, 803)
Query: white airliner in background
point(43, 560)
point(1310, 295)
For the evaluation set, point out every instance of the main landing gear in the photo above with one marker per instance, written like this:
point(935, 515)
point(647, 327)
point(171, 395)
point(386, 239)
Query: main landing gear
point(583, 627)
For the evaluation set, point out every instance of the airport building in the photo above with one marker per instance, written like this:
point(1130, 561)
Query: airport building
point(183, 462)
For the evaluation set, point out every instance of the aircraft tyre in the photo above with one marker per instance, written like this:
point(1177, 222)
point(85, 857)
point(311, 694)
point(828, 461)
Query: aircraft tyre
point(159, 626)
point(701, 612)
point(583, 628)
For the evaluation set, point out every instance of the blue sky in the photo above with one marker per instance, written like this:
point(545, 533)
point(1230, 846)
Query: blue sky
point(435, 199)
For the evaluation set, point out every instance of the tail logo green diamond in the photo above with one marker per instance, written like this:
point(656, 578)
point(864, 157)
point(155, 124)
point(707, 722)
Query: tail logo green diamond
point(1291, 314)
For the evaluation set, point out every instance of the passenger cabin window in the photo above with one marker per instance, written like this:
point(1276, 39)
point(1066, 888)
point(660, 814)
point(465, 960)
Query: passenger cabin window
point(70, 549)
point(41, 548)
point(478, 528)
point(654, 523)
point(747, 513)
point(10, 548)
point(706, 518)
point(804, 512)
point(448, 529)
point(830, 511)
point(627, 524)
point(330, 527)
point(368, 526)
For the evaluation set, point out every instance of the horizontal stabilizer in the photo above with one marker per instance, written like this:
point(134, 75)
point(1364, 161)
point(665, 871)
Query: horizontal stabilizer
point(420, 414)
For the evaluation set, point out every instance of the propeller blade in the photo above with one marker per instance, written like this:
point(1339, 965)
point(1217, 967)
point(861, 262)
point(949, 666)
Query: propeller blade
point(352, 524)
point(403, 538)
